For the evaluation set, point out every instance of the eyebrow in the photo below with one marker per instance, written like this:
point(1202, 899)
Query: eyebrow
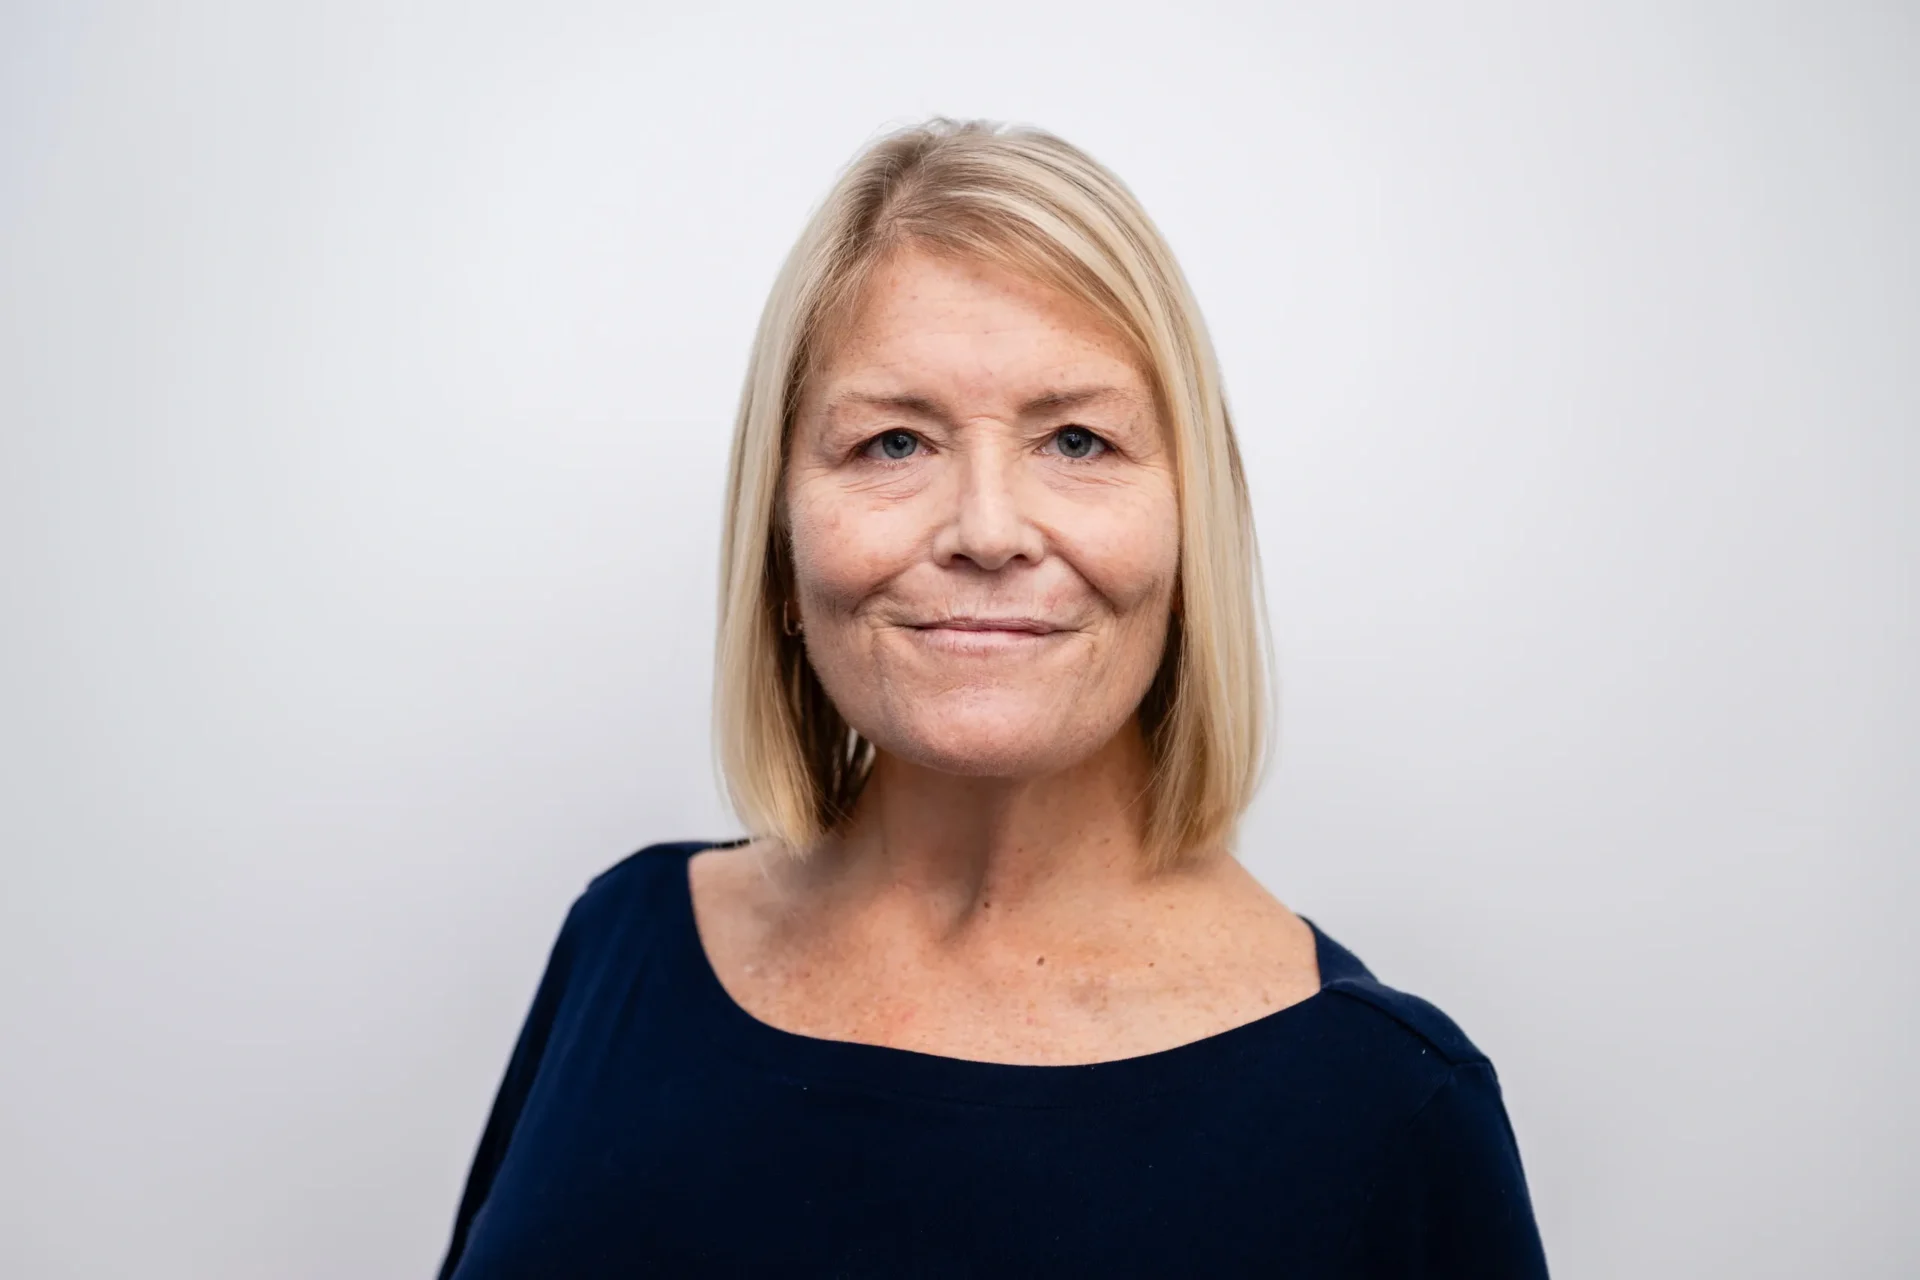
point(927, 407)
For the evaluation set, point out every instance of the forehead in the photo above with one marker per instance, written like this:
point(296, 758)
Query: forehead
point(972, 328)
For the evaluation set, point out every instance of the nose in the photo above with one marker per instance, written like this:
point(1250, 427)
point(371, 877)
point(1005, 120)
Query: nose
point(988, 523)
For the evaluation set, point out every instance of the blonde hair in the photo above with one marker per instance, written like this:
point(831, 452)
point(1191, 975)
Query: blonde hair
point(1028, 201)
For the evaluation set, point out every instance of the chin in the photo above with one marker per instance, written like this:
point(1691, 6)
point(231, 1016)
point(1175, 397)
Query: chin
point(993, 746)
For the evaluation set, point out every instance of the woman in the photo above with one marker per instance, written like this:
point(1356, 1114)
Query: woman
point(987, 994)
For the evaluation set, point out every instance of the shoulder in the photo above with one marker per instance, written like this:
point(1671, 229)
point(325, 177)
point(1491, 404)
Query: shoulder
point(1389, 1051)
point(1398, 1016)
point(1447, 1194)
point(633, 897)
point(644, 870)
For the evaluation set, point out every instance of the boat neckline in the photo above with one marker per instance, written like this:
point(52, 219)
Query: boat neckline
point(892, 1069)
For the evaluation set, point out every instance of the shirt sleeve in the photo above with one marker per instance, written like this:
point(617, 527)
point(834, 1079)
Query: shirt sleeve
point(522, 1067)
point(1450, 1197)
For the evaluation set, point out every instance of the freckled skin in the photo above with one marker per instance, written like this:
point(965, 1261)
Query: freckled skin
point(987, 514)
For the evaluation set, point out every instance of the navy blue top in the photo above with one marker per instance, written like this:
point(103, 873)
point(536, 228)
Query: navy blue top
point(650, 1126)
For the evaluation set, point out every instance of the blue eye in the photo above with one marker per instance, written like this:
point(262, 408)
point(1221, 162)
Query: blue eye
point(895, 445)
point(1078, 442)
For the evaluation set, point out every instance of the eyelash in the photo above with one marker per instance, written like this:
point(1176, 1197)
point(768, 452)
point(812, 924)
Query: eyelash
point(868, 449)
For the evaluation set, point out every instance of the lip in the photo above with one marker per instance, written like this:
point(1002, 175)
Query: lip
point(1014, 626)
point(986, 638)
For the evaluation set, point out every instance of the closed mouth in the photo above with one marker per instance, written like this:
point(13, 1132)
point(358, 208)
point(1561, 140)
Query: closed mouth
point(1021, 626)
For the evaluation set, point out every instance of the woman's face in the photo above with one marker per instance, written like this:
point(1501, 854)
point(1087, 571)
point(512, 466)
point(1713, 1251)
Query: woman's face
point(985, 529)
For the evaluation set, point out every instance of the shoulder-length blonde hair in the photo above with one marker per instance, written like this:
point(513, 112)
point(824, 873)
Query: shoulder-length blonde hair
point(1026, 200)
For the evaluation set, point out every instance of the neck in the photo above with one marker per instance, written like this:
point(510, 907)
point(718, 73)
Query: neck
point(963, 846)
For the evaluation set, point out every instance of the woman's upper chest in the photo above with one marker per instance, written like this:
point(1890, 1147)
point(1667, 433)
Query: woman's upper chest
point(1136, 977)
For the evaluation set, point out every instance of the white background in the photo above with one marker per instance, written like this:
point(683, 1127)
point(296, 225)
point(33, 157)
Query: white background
point(367, 373)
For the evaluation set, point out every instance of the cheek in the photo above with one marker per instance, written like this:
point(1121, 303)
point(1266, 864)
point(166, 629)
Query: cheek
point(841, 550)
point(1129, 551)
